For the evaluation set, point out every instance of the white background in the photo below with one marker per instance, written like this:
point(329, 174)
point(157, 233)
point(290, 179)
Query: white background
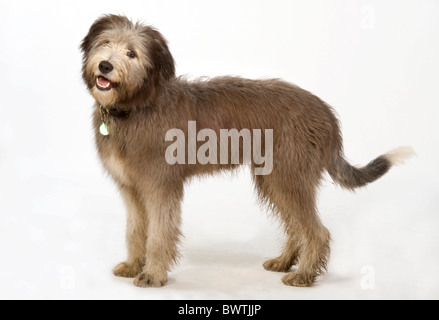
point(62, 221)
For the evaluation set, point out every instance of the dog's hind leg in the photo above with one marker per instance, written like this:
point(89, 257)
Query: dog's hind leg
point(289, 256)
point(293, 200)
point(136, 234)
point(164, 209)
point(313, 256)
point(315, 238)
point(273, 198)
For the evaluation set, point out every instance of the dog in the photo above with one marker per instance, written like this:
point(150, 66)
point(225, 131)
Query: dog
point(130, 72)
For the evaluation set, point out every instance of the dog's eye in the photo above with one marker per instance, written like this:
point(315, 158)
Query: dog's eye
point(131, 54)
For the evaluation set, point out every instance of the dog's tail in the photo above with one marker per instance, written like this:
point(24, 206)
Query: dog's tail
point(351, 177)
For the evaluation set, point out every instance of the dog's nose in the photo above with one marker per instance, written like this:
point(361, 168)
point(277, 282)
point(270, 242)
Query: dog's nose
point(105, 67)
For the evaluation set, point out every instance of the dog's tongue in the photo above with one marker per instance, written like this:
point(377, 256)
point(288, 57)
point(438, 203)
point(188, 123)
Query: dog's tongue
point(104, 82)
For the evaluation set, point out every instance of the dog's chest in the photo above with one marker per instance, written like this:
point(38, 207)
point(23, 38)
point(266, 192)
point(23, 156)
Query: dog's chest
point(116, 167)
point(109, 152)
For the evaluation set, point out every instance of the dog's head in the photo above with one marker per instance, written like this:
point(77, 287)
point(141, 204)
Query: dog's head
point(122, 60)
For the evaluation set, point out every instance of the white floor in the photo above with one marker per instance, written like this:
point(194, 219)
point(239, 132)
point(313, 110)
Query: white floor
point(62, 222)
point(63, 238)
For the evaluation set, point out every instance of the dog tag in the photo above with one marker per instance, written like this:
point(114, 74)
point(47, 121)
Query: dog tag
point(103, 129)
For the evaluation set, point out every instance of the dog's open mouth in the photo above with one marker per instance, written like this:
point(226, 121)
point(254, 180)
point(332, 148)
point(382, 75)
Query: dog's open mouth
point(103, 83)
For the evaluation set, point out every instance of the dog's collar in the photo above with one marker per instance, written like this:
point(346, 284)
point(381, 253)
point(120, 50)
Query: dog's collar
point(114, 112)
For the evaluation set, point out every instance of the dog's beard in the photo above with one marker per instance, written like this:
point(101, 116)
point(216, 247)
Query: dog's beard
point(105, 97)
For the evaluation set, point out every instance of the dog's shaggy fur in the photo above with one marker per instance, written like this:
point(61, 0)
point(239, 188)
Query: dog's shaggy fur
point(129, 70)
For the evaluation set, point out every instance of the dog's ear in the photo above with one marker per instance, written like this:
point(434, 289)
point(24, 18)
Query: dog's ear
point(96, 29)
point(161, 57)
point(100, 25)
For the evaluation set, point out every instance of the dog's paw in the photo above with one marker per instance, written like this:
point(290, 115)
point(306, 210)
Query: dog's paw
point(145, 280)
point(298, 280)
point(126, 270)
point(277, 265)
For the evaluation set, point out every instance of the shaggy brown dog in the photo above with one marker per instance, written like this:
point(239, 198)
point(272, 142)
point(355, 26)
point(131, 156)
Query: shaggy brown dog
point(130, 72)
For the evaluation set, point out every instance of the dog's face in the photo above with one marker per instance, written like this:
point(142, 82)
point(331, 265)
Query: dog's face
point(122, 60)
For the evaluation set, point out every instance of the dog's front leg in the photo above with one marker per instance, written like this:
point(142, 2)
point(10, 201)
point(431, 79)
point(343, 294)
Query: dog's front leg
point(163, 208)
point(136, 233)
